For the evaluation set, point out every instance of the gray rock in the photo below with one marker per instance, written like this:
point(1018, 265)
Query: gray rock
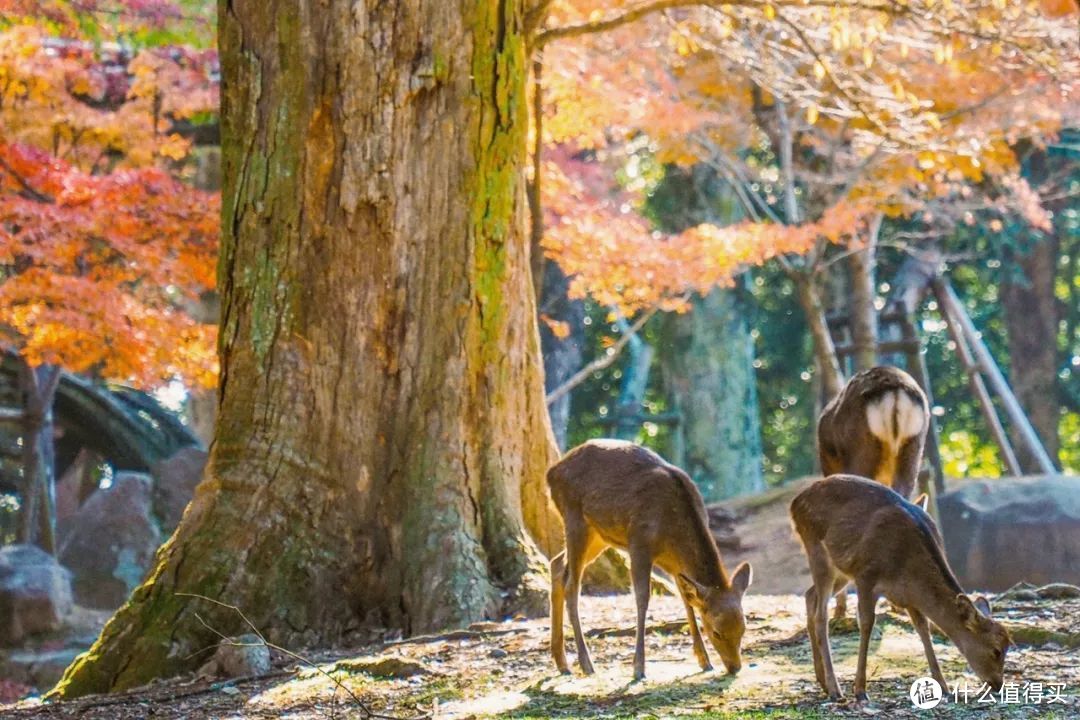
point(38, 668)
point(243, 656)
point(109, 544)
point(1002, 532)
point(175, 479)
point(35, 593)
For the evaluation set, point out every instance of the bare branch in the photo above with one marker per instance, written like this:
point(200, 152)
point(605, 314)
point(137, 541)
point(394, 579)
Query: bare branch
point(600, 363)
point(787, 167)
point(30, 191)
point(614, 21)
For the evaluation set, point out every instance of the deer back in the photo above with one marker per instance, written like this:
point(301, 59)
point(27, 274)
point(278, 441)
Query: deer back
point(876, 427)
point(624, 491)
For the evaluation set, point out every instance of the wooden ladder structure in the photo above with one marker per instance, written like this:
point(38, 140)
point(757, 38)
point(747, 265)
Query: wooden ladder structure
point(898, 337)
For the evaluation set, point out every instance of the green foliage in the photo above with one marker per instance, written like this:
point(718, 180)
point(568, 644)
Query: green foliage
point(784, 364)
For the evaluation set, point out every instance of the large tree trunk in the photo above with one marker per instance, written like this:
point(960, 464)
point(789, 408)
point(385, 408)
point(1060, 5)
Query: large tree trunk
point(1031, 323)
point(381, 402)
point(708, 367)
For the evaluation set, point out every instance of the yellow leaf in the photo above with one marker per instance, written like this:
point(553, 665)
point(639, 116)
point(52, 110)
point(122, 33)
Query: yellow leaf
point(819, 70)
point(770, 12)
point(812, 114)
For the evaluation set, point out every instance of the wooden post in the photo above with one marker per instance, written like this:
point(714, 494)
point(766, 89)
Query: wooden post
point(916, 365)
point(978, 388)
point(634, 382)
point(986, 362)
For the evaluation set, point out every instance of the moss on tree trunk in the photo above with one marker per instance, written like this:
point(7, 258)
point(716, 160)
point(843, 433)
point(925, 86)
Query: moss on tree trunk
point(381, 400)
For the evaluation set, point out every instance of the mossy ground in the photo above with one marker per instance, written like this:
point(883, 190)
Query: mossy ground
point(502, 670)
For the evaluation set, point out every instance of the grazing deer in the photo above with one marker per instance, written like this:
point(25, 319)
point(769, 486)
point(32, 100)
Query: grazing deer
point(615, 493)
point(876, 427)
point(855, 529)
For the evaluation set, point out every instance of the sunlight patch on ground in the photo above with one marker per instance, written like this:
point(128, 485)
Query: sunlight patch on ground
point(494, 704)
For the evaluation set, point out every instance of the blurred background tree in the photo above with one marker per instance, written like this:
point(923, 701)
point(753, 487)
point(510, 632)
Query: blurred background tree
point(107, 250)
point(894, 132)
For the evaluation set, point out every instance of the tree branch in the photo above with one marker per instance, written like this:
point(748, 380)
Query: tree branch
point(614, 21)
point(602, 362)
point(29, 189)
point(535, 15)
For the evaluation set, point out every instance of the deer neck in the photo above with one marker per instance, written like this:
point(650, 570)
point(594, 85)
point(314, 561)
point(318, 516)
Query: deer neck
point(702, 560)
point(940, 607)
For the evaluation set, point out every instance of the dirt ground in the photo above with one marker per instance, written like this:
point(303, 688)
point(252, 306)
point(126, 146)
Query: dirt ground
point(503, 670)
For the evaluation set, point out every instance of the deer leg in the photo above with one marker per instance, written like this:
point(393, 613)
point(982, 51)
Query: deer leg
point(811, 631)
point(641, 574)
point(824, 574)
point(558, 599)
point(582, 547)
point(840, 611)
point(699, 646)
point(867, 602)
point(922, 627)
point(908, 464)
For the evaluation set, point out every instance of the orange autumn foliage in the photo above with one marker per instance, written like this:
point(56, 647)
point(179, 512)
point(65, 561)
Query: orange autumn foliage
point(97, 270)
point(903, 109)
point(105, 250)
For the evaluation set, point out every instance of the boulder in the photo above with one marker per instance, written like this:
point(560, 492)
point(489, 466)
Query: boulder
point(109, 544)
point(38, 668)
point(35, 593)
point(1002, 532)
point(244, 656)
point(175, 479)
point(723, 522)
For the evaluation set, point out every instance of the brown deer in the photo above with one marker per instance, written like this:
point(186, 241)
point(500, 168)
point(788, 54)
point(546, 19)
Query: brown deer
point(615, 493)
point(876, 427)
point(859, 530)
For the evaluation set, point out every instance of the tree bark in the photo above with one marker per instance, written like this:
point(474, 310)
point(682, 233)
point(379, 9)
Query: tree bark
point(832, 380)
point(1031, 324)
point(708, 369)
point(37, 513)
point(381, 396)
point(862, 265)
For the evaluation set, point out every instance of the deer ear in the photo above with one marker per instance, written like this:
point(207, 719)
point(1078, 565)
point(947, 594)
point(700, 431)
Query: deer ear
point(969, 612)
point(691, 590)
point(742, 578)
point(923, 501)
point(982, 605)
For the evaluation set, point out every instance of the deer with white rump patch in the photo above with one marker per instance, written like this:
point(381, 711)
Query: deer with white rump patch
point(612, 493)
point(875, 428)
point(858, 530)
